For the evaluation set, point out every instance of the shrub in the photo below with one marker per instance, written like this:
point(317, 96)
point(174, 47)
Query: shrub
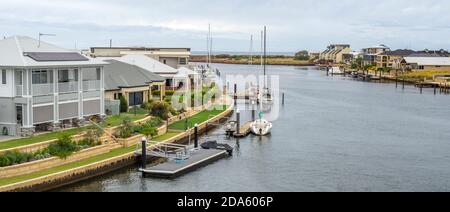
point(161, 110)
point(126, 129)
point(64, 147)
point(123, 104)
point(4, 161)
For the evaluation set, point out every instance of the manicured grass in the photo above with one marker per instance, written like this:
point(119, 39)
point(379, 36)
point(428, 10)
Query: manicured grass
point(165, 137)
point(113, 153)
point(198, 119)
point(116, 120)
point(39, 138)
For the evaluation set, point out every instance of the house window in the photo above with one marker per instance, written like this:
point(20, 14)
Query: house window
point(136, 98)
point(68, 75)
point(183, 61)
point(4, 77)
point(41, 77)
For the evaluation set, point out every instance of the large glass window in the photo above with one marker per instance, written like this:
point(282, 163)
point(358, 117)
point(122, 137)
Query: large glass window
point(183, 61)
point(136, 98)
point(4, 77)
point(91, 74)
point(42, 77)
point(67, 75)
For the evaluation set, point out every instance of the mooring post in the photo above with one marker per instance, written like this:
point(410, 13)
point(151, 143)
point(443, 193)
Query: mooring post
point(238, 121)
point(403, 83)
point(421, 88)
point(328, 71)
point(253, 111)
point(282, 99)
point(196, 136)
point(144, 155)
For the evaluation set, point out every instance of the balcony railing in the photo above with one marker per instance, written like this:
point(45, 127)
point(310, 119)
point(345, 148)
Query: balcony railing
point(93, 85)
point(42, 89)
point(68, 87)
point(19, 90)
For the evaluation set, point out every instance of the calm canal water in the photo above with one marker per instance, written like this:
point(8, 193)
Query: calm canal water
point(333, 134)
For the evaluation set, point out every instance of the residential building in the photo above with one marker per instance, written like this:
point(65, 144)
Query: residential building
point(370, 54)
point(335, 53)
point(173, 57)
point(174, 80)
point(45, 87)
point(350, 57)
point(133, 83)
point(389, 58)
point(424, 63)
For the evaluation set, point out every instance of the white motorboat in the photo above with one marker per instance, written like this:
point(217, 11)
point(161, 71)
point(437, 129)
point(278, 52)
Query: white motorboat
point(261, 127)
point(336, 70)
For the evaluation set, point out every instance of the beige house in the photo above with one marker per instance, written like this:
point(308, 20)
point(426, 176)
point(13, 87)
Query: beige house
point(173, 57)
point(424, 63)
point(335, 53)
point(389, 58)
point(132, 82)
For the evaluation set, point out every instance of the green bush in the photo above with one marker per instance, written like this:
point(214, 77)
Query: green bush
point(4, 161)
point(126, 130)
point(64, 147)
point(123, 104)
point(160, 110)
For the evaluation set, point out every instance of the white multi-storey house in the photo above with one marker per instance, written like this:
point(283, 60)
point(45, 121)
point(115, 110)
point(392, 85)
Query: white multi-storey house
point(45, 87)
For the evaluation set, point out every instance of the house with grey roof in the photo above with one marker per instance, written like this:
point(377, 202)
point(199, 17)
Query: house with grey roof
point(45, 87)
point(135, 84)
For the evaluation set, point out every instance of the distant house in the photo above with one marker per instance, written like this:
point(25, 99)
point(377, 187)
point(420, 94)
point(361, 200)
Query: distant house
point(45, 87)
point(425, 63)
point(133, 83)
point(174, 80)
point(390, 58)
point(335, 53)
point(351, 57)
point(173, 57)
point(370, 54)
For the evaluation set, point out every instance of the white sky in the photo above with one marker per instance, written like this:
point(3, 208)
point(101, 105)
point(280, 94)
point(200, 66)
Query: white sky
point(292, 24)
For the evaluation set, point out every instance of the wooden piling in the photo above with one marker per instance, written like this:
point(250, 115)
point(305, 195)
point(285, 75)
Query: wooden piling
point(238, 122)
point(144, 155)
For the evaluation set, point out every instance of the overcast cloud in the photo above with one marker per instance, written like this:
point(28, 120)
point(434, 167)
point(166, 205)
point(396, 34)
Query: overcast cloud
point(292, 25)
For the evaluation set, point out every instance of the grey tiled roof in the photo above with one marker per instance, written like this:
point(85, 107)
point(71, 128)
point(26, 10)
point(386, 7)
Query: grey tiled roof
point(123, 75)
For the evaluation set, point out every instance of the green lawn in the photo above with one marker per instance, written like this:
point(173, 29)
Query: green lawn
point(37, 139)
point(113, 153)
point(165, 137)
point(116, 120)
point(198, 119)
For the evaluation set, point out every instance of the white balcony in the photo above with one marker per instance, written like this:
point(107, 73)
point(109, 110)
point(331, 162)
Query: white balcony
point(19, 90)
point(42, 89)
point(92, 85)
point(68, 87)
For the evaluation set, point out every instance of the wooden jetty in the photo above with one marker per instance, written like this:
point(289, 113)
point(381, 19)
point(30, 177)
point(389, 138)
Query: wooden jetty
point(175, 168)
point(244, 130)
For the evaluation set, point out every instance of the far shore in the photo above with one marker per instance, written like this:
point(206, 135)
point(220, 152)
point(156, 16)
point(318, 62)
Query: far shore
point(245, 60)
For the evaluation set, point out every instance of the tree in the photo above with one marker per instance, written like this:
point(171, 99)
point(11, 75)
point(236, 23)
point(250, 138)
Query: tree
point(123, 104)
point(302, 55)
point(161, 110)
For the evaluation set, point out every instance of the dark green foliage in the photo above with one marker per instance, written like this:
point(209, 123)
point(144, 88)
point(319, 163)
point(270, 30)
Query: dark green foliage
point(302, 55)
point(123, 104)
point(160, 110)
point(64, 147)
point(126, 129)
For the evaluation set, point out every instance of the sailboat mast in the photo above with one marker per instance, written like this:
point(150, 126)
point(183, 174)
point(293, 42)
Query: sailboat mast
point(262, 48)
point(207, 44)
point(265, 54)
point(251, 50)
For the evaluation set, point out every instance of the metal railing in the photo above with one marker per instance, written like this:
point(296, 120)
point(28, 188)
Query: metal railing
point(42, 89)
point(68, 87)
point(91, 85)
point(19, 90)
